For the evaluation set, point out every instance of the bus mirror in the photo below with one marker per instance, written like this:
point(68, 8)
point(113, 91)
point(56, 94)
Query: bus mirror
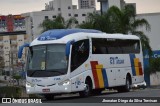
point(68, 45)
point(20, 51)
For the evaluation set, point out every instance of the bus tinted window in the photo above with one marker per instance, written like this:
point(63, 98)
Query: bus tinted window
point(114, 46)
point(80, 53)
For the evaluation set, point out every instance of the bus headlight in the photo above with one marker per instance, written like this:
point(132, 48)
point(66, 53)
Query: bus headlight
point(66, 82)
point(28, 84)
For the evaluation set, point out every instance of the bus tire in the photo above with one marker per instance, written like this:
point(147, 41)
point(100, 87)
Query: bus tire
point(97, 91)
point(128, 85)
point(49, 96)
point(87, 91)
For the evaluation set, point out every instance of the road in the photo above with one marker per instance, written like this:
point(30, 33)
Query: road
point(72, 100)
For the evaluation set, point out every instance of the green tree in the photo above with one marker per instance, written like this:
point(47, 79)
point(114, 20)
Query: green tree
point(1, 64)
point(119, 21)
point(154, 65)
point(58, 23)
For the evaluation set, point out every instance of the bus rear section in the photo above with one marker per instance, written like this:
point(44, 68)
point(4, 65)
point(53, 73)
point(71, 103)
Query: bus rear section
point(117, 62)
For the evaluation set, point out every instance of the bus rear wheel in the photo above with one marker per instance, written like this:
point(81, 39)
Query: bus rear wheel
point(97, 91)
point(126, 87)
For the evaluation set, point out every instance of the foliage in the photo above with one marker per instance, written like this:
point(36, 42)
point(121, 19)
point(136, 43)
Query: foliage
point(119, 21)
point(1, 62)
point(154, 65)
point(57, 23)
point(10, 91)
point(17, 77)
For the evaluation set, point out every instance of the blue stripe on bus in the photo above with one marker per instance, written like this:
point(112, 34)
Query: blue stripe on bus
point(132, 56)
point(104, 73)
point(59, 33)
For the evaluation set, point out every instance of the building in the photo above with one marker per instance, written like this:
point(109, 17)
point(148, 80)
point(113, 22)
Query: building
point(106, 4)
point(154, 33)
point(84, 4)
point(12, 35)
point(52, 9)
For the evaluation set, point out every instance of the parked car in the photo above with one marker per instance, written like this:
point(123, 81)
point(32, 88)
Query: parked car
point(140, 85)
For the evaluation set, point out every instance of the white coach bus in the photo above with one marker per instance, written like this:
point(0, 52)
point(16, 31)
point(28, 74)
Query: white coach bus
point(81, 60)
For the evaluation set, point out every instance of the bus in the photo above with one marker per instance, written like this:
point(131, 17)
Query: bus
point(83, 61)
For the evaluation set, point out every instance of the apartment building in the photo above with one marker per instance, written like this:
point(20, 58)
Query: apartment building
point(53, 9)
point(12, 35)
point(84, 4)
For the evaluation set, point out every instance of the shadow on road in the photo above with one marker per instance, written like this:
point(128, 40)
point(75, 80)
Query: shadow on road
point(75, 98)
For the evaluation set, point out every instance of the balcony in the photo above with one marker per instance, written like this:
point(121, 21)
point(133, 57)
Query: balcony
point(19, 28)
point(13, 37)
point(13, 42)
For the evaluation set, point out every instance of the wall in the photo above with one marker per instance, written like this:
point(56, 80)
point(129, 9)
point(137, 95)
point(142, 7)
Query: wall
point(154, 34)
point(155, 79)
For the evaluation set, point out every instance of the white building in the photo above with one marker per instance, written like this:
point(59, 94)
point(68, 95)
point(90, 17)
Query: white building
point(106, 4)
point(9, 45)
point(154, 35)
point(66, 9)
point(83, 4)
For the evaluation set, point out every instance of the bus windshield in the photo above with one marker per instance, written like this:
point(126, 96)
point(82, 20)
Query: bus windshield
point(47, 60)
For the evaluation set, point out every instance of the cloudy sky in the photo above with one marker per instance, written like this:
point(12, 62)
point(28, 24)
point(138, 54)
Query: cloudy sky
point(23, 6)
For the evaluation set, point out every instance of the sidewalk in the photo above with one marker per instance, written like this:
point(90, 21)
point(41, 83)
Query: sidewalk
point(155, 87)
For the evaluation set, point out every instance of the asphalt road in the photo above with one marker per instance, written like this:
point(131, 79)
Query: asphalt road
point(72, 100)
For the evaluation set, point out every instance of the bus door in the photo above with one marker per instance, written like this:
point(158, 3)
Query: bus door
point(79, 57)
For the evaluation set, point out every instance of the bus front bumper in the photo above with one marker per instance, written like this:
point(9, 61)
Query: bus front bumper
point(48, 89)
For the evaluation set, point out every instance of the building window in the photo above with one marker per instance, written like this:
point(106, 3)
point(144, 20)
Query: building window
point(46, 17)
point(83, 14)
point(69, 7)
point(76, 15)
point(54, 16)
point(59, 9)
point(76, 22)
point(69, 14)
point(92, 3)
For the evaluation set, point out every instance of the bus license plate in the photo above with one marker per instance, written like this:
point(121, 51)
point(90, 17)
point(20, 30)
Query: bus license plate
point(45, 90)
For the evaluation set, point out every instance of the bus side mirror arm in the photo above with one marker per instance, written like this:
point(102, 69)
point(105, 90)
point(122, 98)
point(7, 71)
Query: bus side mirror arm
point(20, 51)
point(68, 45)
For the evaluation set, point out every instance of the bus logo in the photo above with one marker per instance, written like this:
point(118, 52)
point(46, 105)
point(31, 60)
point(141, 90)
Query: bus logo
point(116, 60)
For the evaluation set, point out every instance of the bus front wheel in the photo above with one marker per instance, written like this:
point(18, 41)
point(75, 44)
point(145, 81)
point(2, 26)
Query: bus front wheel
point(88, 87)
point(49, 96)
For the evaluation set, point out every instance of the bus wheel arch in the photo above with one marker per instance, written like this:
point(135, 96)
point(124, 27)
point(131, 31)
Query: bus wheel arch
point(88, 87)
point(128, 82)
point(129, 77)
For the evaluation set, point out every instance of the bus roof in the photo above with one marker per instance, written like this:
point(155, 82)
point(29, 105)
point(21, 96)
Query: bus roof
point(62, 36)
point(59, 33)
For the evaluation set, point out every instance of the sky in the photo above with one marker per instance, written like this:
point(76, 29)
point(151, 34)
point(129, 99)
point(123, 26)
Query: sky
point(23, 6)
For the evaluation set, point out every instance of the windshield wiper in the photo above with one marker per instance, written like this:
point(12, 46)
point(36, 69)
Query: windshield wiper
point(34, 71)
point(57, 72)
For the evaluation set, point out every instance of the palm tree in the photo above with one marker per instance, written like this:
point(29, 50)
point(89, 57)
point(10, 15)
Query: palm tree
point(57, 23)
point(119, 21)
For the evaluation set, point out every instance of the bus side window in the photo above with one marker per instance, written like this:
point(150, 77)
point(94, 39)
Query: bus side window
point(80, 53)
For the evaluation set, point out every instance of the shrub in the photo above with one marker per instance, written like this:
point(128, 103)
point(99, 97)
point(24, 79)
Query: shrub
point(154, 65)
point(10, 91)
